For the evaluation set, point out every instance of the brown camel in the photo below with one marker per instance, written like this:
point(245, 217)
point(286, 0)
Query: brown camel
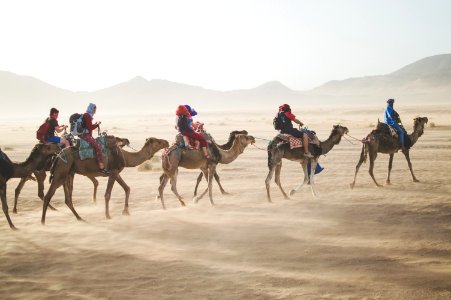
point(36, 160)
point(276, 152)
point(62, 173)
point(40, 175)
point(193, 159)
point(376, 142)
point(225, 146)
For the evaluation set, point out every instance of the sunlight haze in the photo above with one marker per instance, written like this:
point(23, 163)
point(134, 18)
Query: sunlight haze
point(222, 45)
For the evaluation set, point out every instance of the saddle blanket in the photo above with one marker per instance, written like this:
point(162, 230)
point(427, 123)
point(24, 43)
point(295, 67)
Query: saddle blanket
point(86, 151)
point(297, 142)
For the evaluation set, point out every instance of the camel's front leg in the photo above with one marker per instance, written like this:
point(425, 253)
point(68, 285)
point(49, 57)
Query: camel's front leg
point(277, 179)
point(174, 188)
point(109, 188)
point(17, 192)
point(205, 174)
point(127, 193)
point(5, 205)
point(390, 164)
point(268, 182)
point(313, 164)
point(211, 172)
point(407, 155)
point(306, 178)
point(68, 188)
point(199, 179)
point(56, 183)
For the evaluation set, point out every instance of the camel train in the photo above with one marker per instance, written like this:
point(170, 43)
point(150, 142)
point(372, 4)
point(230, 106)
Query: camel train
point(194, 148)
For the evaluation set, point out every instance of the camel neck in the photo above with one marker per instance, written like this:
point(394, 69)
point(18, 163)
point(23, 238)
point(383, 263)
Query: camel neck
point(133, 159)
point(227, 156)
point(415, 135)
point(27, 167)
point(327, 145)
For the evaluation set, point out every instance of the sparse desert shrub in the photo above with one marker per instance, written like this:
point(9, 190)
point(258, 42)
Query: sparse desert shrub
point(8, 148)
point(371, 125)
point(150, 165)
point(432, 125)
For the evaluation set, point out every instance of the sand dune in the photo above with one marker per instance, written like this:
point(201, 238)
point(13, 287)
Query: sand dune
point(368, 243)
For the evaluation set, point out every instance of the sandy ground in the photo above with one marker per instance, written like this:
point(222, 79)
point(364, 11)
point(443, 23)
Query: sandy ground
point(368, 243)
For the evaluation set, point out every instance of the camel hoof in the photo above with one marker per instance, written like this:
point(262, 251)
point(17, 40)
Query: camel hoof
point(380, 185)
point(292, 192)
point(416, 180)
point(157, 197)
point(13, 228)
point(195, 200)
point(52, 208)
point(125, 212)
point(108, 217)
point(387, 183)
point(351, 185)
point(225, 193)
point(14, 211)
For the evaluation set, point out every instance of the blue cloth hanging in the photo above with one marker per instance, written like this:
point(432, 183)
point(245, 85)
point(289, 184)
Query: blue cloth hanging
point(318, 168)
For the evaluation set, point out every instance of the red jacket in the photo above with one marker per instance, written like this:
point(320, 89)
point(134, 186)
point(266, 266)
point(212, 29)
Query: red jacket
point(88, 123)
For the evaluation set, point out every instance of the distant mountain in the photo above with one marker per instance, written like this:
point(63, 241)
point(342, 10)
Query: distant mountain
point(428, 79)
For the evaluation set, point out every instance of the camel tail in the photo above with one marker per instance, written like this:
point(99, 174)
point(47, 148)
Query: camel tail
point(364, 153)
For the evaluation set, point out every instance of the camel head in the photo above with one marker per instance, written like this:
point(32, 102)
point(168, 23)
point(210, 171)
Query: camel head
point(418, 125)
point(245, 139)
point(234, 133)
point(156, 144)
point(341, 130)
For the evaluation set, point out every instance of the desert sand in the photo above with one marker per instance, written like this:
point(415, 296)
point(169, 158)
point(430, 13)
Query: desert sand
point(392, 242)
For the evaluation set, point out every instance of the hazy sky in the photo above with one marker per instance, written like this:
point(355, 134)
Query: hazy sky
point(223, 45)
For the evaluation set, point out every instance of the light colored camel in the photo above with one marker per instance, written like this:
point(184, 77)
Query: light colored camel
point(377, 142)
point(36, 160)
point(225, 146)
point(276, 152)
point(40, 175)
point(63, 173)
point(193, 159)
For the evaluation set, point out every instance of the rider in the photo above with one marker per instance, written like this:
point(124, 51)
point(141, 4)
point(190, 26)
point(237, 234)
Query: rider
point(391, 117)
point(87, 136)
point(186, 127)
point(53, 126)
point(287, 127)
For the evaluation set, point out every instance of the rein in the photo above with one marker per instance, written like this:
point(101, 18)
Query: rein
point(359, 140)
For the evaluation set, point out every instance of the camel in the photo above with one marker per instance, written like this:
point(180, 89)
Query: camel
point(193, 159)
point(40, 175)
point(225, 146)
point(36, 160)
point(63, 173)
point(276, 152)
point(379, 143)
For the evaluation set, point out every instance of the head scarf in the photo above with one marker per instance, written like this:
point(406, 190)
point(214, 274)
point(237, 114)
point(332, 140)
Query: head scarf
point(191, 111)
point(90, 109)
point(285, 108)
point(182, 110)
point(391, 101)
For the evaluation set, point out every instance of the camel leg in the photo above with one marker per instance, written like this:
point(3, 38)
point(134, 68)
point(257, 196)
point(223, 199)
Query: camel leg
point(211, 172)
point(306, 178)
point(163, 181)
point(17, 192)
point(174, 188)
point(40, 179)
point(56, 183)
point(127, 193)
point(277, 179)
point(199, 179)
point(95, 182)
point(268, 182)
point(372, 159)
point(407, 155)
point(5, 205)
point(313, 164)
point(219, 184)
point(390, 164)
point(109, 188)
point(357, 167)
point(68, 196)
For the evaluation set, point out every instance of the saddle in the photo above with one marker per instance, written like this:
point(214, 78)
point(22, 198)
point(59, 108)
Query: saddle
point(295, 142)
point(389, 134)
point(108, 144)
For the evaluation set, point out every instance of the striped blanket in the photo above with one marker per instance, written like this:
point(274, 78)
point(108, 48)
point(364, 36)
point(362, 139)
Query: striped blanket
point(297, 142)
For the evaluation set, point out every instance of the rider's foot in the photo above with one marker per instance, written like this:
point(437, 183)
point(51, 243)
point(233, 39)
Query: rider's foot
point(308, 155)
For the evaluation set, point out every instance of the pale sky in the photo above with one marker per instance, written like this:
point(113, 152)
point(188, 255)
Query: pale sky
point(85, 45)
